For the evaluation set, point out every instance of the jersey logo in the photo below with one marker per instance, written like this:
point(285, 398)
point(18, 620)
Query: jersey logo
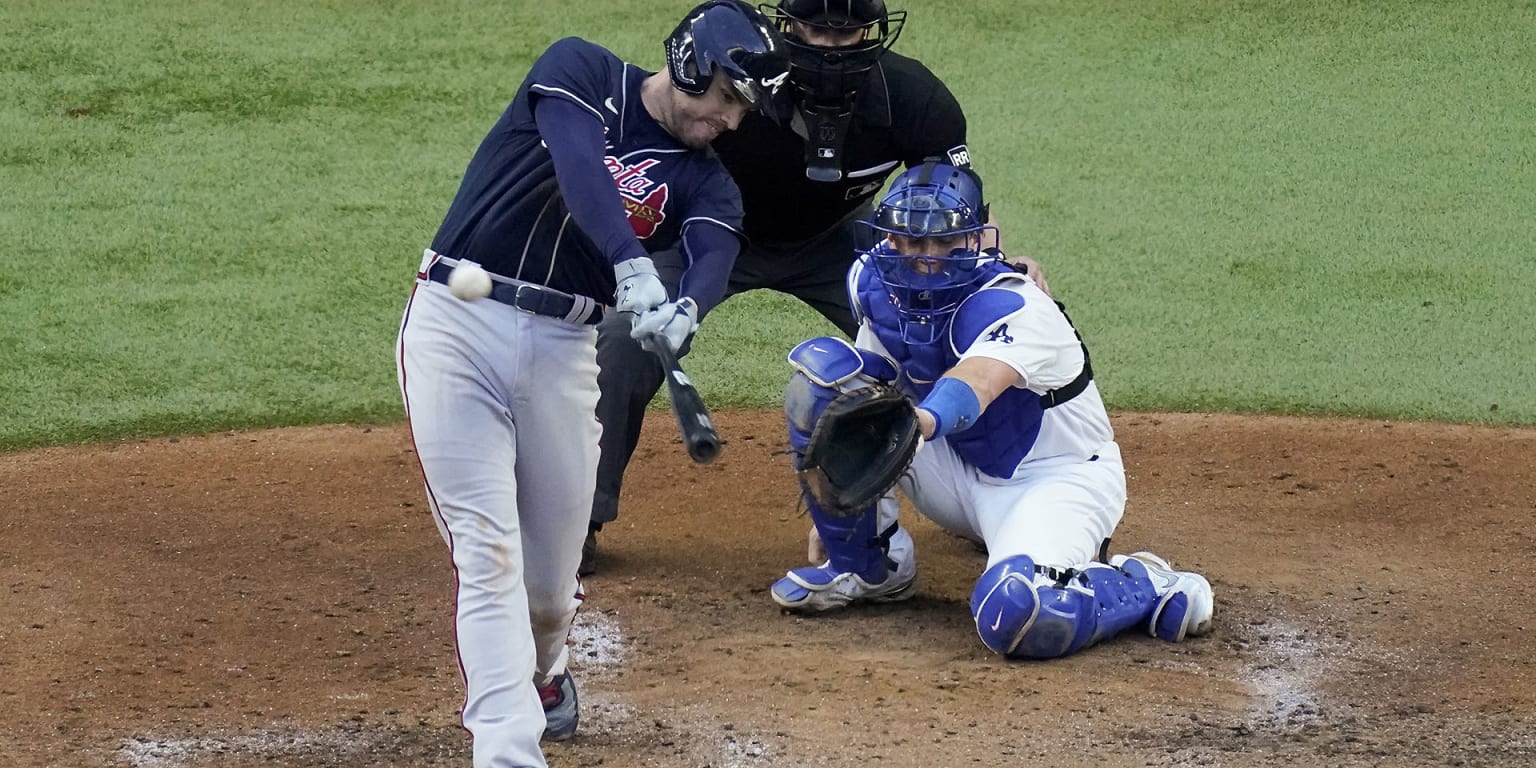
point(645, 200)
point(1000, 334)
point(960, 156)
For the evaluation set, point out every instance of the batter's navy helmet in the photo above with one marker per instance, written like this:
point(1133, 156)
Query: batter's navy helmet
point(933, 200)
point(733, 36)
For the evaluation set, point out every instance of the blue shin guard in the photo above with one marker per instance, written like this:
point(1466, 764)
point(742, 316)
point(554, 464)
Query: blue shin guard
point(1022, 611)
point(880, 571)
point(823, 368)
point(855, 544)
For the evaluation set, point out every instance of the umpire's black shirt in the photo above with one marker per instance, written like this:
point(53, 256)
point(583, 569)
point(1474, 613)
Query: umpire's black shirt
point(902, 115)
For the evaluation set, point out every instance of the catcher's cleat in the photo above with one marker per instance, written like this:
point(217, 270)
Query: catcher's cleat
point(1185, 604)
point(820, 588)
point(560, 713)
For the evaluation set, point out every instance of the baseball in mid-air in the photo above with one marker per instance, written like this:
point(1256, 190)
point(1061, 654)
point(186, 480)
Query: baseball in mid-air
point(469, 281)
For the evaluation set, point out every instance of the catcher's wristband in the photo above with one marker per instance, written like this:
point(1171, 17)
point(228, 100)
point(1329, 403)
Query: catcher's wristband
point(953, 405)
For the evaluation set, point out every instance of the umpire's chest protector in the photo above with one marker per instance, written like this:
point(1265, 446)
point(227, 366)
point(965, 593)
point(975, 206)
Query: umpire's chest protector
point(998, 441)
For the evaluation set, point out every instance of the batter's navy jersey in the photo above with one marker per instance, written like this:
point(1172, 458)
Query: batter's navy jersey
point(508, 214)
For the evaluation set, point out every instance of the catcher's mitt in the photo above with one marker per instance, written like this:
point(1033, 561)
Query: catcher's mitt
point(861, 445)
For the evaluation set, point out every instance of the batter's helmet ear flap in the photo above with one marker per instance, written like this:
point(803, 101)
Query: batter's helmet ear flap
point(732, 36)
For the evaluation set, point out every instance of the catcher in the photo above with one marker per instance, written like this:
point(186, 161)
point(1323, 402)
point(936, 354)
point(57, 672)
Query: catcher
point(1016, 450)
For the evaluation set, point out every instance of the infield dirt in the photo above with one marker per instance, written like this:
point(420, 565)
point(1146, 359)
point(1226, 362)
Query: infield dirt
point(281, 598)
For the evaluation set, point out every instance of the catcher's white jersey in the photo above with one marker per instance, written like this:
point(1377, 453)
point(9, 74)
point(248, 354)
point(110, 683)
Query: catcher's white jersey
point(1027, 479)
point(1012, 321)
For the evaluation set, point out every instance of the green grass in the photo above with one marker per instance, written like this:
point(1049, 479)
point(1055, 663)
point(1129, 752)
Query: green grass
point(1296, 207)
point(213, 209)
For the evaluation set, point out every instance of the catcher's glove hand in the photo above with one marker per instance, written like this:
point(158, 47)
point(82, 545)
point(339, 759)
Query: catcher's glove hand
point(861, 445)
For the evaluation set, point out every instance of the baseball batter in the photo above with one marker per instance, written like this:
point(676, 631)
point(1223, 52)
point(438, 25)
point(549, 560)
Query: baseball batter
point(595, 164)
point(1019, 456)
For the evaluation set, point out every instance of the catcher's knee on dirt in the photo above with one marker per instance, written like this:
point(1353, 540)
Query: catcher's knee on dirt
point(1027, 612)
point(857, 541)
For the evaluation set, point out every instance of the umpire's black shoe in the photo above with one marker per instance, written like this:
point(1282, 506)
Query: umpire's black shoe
point(588, 554)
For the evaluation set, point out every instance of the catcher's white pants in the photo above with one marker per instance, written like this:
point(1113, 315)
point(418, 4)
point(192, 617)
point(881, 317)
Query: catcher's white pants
point(1057, 512)
point(508, 449)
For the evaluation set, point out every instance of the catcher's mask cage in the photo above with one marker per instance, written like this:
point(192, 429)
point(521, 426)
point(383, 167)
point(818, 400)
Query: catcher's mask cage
point(732, 36)
point(826, 79)
point(935, 202)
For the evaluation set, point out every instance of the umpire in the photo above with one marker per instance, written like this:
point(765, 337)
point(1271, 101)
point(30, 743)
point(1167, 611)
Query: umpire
point(859, 113)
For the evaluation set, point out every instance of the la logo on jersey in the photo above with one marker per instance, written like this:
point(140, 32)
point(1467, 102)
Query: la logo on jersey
point(1000, 333)
point(645, 201)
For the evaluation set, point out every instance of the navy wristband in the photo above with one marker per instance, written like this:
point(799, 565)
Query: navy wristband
point(954, 406)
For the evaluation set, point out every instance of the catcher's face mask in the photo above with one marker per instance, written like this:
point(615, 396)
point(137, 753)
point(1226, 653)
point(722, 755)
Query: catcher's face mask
point(927, 280)
point(931, 258)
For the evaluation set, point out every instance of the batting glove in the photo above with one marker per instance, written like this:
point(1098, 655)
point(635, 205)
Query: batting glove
point(640, 290)
point(672, 322)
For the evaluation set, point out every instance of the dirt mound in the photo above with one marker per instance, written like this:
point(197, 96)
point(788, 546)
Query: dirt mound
point(282, 598)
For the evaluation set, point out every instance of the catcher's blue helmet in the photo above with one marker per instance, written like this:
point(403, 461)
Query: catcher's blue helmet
point(733, 36)
point(942, 205)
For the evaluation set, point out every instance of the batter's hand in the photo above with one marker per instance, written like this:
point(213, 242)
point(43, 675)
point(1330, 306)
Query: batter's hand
point(640, 290)
point(674, 322)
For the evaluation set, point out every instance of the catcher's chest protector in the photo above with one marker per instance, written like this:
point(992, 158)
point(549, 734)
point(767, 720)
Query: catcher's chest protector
point(1007, 429)
point(921, 365)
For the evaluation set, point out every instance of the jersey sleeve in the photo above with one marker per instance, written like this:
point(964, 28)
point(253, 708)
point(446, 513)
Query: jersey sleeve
point(575, 143)
point(711, 233)
point(709, 252)
point(1018, 325)
point(935, 126)
point(575, 70)
point(714, 198)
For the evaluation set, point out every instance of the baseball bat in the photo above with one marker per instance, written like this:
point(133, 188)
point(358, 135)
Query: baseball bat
point(699, 435)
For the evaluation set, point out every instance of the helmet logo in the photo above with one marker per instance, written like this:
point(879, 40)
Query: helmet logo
point(726, 35)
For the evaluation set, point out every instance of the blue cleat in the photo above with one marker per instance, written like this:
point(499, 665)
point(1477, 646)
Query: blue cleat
point(1185, 604)
point(821, 588)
